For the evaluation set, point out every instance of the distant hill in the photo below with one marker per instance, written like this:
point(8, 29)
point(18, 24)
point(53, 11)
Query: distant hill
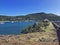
point(33, 16)
point(42, 16)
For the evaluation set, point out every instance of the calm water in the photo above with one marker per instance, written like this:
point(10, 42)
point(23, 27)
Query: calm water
point(13, 28)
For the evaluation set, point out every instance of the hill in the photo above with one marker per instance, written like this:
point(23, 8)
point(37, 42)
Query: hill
point(42, 16)
point(33, 16)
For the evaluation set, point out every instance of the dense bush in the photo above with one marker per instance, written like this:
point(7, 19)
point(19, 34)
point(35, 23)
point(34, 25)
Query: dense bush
point(35, 28)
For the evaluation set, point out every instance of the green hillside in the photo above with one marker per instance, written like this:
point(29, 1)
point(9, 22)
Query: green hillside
point(42, 16)
point(33, 16)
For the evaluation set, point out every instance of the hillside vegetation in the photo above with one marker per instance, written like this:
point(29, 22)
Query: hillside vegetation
point(39, 27)
point(33, 16)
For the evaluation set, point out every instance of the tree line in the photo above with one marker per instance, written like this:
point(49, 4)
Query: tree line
point(33, 16)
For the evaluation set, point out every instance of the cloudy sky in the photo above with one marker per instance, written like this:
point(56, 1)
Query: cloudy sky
point(23, 7)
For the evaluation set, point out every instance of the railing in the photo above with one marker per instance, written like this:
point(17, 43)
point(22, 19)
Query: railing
point(56, 25)
point(57, 30)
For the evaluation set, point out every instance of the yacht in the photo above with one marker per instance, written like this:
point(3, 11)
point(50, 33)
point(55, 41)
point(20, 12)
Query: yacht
point(12, 22)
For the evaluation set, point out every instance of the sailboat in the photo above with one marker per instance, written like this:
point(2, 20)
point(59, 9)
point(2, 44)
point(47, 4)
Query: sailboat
point(1, 22)
point(12, 22)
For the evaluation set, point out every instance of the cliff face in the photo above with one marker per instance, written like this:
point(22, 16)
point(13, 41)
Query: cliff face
point(37, 38)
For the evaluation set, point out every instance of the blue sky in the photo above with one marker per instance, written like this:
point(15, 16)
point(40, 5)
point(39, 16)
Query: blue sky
point(23, 7)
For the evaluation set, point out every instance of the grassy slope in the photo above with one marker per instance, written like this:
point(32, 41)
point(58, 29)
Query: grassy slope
point(38, 38)
point(50, 27)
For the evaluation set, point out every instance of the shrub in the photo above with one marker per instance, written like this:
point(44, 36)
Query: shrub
point(35, 28)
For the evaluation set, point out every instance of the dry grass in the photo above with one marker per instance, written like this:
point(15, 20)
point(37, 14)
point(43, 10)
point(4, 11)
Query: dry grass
point(29, 39)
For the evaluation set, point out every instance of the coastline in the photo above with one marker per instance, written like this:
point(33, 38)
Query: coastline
point(18, 21)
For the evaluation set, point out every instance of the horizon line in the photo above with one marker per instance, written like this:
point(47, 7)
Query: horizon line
point(28, 14)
